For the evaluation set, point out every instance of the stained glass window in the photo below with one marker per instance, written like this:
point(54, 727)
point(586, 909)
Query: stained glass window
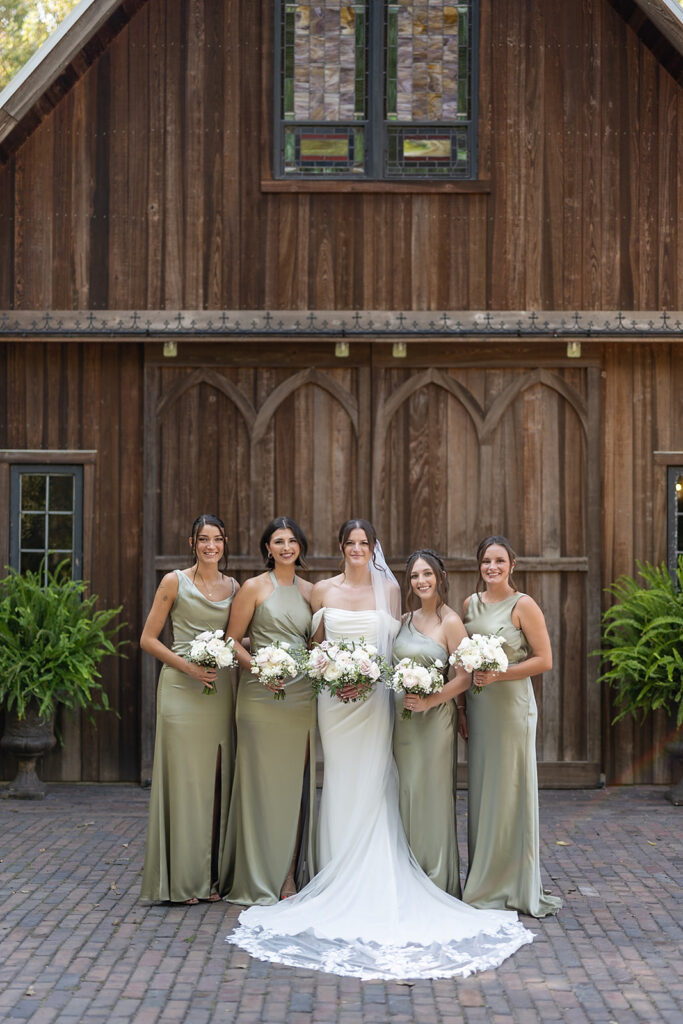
point(46, 521)
point(376, 89)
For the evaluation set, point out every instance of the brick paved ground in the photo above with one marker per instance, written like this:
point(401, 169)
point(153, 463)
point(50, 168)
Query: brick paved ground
point(76, 945)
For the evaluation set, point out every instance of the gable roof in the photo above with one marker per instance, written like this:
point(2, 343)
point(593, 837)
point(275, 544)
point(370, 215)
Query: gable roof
point(60, 61)
point(87, 30)
point(667, 15)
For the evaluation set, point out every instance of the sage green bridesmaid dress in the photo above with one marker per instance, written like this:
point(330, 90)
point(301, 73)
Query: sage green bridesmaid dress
point(503, 835)
point(425, 754)
point(194, 759)
point(272, 741)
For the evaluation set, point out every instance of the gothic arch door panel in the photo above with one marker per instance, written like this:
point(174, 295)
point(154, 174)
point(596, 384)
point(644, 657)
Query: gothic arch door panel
point(460, 453)
point(249, 432)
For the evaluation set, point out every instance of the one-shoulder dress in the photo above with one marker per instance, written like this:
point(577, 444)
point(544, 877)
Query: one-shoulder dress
point(273, 737)
point(503, 832)
point(425, 754)
point(371, 912)
point(193, 764)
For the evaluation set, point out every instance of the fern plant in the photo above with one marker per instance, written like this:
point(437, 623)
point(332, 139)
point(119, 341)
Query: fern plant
point(642, 642)
point(52, 641)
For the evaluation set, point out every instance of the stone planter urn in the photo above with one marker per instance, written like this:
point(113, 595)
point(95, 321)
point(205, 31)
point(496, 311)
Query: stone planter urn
point(675, 752)
point(28, 739)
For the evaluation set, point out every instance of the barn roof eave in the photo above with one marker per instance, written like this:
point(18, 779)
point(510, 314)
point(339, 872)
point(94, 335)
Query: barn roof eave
point(667, 15)
point(50, 60)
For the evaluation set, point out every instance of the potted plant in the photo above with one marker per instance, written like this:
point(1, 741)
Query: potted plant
point(642, 649)
point(51, 643)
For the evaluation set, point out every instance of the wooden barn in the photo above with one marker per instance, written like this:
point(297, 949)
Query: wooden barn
point(418, 261)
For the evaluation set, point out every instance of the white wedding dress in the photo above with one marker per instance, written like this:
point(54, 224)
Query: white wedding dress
point(371, 912)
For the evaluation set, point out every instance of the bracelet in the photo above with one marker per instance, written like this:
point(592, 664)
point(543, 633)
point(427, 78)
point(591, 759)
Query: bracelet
point(460, 707)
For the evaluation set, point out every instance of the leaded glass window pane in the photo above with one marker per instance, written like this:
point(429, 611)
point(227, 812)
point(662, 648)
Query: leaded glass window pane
point(46, 519)
point(426, 61)
point(324, 61)
point(352, 74)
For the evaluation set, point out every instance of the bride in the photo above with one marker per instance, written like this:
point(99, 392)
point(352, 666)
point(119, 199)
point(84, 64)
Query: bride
point(370, 912)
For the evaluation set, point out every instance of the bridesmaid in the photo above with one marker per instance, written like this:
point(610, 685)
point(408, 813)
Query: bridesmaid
point(267, 842)
point(194, 752)
point(504, 866)
point(425, 744)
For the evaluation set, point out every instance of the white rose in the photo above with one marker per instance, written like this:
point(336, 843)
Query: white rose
point(318, 660)
point(332, 672)
point(224, 657)
point(410, 679)
point(365, 667)
point(471, 662)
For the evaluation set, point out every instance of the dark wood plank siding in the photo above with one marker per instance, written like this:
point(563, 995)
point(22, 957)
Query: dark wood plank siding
point(147, 177)
point(81, 397)
point(643, 406)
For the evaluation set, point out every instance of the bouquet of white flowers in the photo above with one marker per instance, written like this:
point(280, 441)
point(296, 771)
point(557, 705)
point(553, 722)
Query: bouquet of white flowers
point(211, 650)
point(334, 665)
point(480, 653)
point(273, 664)
point(411, 677)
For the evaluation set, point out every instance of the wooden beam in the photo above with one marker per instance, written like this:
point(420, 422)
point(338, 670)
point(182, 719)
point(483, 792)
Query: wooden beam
point(389, 325)
point(667, 15)
point(50, 60)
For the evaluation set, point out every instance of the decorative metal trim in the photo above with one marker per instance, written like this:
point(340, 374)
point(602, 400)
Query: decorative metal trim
point(316, 324)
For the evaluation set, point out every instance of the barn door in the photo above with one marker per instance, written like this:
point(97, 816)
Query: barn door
point(461, 453)
point(435, 456)
point(249, 432)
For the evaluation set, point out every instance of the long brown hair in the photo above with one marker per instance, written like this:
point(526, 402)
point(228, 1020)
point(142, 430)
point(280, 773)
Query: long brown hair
point(436, 564)
point(484, 545)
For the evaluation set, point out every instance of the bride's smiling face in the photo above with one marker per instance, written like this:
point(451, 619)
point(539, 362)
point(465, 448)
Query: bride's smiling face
point(357, 550)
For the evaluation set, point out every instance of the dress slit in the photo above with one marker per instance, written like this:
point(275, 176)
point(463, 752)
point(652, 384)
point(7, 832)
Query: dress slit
point(216, 825)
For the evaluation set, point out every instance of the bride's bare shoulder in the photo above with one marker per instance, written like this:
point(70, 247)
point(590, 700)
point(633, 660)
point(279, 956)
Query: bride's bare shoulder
point(325, 587)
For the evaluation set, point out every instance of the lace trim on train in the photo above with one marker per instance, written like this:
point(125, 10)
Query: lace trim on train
point(367, 960)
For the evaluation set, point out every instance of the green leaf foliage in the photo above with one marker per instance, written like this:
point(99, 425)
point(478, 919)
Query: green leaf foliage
point(642, 642)
point(52, 641)
point(24, 26)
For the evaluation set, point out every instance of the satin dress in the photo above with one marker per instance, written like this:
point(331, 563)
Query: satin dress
point(273, 737)
point(193, 763)
point(425, 755)
point(371, 912)
point(503, 832)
